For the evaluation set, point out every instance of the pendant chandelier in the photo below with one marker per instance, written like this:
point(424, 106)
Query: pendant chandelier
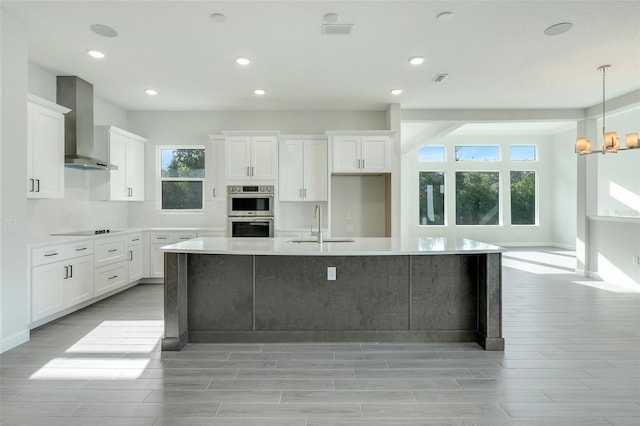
point(610, 140)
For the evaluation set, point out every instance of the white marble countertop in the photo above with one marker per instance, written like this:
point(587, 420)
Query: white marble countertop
point(359, 247)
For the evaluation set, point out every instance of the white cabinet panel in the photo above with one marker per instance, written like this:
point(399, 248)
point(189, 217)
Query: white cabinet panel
point(110, 277)
point(78, 287)
point(303, 170)
point(126, 152)
point(251, 157)
point(135, 263)
point(45, 149)
point(361, 154)
point(110, 250)
point(47, 294)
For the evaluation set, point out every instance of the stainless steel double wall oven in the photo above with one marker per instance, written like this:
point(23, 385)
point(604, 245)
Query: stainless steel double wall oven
point(250, 210)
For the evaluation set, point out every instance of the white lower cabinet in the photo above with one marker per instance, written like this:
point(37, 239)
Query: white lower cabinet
point(160, 239)
point(111, 262)
point(61, 277)
point(135, 257)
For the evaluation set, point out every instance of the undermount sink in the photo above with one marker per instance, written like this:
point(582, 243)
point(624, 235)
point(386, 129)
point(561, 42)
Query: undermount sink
point(324, 240)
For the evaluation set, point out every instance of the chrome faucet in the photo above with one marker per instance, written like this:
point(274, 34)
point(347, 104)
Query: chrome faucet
point(318, 215)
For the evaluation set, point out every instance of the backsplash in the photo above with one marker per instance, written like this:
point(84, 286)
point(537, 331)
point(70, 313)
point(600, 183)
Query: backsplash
point(75, 212)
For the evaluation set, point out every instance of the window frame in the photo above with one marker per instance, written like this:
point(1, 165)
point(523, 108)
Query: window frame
point(504, 167)
point(160, 179)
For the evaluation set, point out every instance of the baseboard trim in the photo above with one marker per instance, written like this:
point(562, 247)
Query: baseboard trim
point(15, 340)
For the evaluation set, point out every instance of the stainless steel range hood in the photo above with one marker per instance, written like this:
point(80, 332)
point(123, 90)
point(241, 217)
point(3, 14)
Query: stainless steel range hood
point(77, 94)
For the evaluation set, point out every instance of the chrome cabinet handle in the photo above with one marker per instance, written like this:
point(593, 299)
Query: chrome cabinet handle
point(305, 193)
point(214, 193)
point(51, 254)
point(112, 250)
point(300, 191)
point(248, 171)
point(66, 272)
point(81, 249)
point(161, 238)
point(130, 255)
point(135, 239)
point(113, 277)
point(70, 271)
point(31, 185)
point(363, 163)
point(252, 174)
point(37, 185)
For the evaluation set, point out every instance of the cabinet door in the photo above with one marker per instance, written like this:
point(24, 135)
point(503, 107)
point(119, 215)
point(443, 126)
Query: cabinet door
point(375, 153)
point(118, 157)
point(110, 250)
point(78, 287)
point(238, 157)
point(45, 150)
point(135, 170)
point(315, 171)
point(263, 157)
point(135, 263)
point(47, 289)
point(346, 154)
point(291, 170)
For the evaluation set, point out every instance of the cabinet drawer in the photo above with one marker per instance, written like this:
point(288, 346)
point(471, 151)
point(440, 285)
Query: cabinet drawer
point(162, 237)
point(184, 236)
point(84, 248)
point(108, 251)
point(44, 255)
point(110, 278)
point(135, 239)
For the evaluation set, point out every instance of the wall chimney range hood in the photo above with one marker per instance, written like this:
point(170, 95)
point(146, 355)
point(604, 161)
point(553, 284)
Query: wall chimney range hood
point(77, 94)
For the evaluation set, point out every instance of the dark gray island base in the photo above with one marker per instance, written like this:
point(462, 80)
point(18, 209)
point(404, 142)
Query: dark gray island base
point(216, 298)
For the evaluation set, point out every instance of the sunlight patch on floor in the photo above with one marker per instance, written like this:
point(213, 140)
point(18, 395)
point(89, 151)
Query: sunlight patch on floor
point(94, 368)
point(120, 337)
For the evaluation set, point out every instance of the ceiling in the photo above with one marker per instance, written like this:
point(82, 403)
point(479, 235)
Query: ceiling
point(495, 53)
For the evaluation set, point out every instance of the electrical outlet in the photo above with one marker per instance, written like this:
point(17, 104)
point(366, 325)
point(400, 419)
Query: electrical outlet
point(331, 273)
point(636, 260)
point(10, 225)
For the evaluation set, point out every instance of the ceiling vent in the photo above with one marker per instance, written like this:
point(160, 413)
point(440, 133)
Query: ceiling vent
point(337, 29)
point(439, 78)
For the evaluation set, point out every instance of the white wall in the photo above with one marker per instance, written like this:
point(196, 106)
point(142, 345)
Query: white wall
point(563, 200)
point(13, 171)
point(358, 206)
point(619, 174)
point(541, 234)
point(194, 128)
point(613, 243)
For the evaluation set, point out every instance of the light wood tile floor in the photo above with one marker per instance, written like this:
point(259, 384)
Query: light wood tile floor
point(572, 358)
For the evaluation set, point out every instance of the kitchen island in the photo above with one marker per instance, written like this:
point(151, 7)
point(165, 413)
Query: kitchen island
point(369, 289)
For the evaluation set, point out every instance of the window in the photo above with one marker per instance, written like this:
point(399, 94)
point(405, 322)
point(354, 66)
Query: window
point(522, 153)
point(182, 178)
point(431, 153)
point(431, 198)
point(477, 153)
point(477, 198)
point(523, 198)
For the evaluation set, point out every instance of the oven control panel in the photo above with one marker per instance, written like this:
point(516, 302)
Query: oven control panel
point(250, 189)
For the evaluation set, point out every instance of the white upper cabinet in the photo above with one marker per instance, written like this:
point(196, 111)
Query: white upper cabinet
point(303, 170)
point(251, 157)
point(126, 152)
point(361, 154)
point(45, 148)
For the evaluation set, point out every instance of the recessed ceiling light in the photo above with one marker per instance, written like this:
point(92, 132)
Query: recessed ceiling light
point(242, 61)
point(103, 30)
point(218, 17)
point(416, 60)
point(444, 16)
point(557, 29)
point(330, 18)
point(96, 54)
point(150, 92)
point(396, 92)
point(259, 92)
